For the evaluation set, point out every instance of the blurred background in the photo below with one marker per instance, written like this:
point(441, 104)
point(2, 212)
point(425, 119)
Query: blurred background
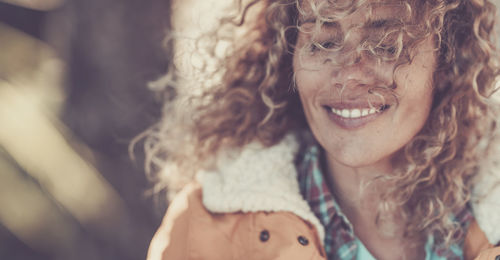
point(73, 77)
point(73, 94)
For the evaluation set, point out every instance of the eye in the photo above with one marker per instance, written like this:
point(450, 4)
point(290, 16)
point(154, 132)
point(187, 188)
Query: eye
point(378, 23)
point(386, 49)
point(326, 45)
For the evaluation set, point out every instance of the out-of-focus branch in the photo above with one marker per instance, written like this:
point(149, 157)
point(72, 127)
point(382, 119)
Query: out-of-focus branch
point(43, 148)
point(42, 5)
point(31, 216)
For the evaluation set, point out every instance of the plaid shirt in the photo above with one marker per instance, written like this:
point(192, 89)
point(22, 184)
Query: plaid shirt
point(340, 241)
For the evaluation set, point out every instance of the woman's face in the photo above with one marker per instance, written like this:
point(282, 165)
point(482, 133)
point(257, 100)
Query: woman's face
point(355, 121)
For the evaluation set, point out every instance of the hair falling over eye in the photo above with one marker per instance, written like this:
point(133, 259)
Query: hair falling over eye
point(382, 33)
point(387, 33)
point(255, 98)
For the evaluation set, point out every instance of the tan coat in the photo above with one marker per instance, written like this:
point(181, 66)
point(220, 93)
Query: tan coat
point(251, 209)
point(190, 232)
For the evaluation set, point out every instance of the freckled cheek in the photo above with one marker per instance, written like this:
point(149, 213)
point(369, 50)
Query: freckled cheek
point(415, 88)
point(415, 108)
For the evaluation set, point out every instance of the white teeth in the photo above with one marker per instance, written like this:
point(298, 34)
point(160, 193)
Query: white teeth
point(346, 113)
point(365, 112)
point(354, 113)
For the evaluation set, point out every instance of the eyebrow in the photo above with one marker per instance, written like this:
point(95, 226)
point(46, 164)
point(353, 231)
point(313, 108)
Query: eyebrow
point(313, 20)
point(381, 22)
point(389, 15)
point(372, 23)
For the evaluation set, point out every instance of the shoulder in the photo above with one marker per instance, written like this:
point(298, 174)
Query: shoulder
point(476, 244)
point(176, 224)
point(189, 230)
point(228, 206)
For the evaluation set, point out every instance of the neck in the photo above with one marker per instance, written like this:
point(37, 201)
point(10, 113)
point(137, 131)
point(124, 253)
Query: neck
point(357, 190)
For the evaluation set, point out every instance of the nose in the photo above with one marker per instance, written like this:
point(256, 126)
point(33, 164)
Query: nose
point(353, 66)
point(358, 68)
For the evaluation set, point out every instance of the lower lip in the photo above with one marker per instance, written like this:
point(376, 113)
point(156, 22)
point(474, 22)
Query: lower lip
point(353, 123)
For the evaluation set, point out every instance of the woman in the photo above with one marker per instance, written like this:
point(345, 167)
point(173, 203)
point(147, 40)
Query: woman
point(341, 130)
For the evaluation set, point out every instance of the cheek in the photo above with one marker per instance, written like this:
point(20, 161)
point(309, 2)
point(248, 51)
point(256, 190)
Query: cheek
point(305, 85)
point(306, 90)
point(415, 91)
point(415, 81)
point(310, 82)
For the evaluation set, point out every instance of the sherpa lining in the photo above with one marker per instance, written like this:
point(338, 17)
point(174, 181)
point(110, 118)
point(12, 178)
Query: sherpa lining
point(257, 179)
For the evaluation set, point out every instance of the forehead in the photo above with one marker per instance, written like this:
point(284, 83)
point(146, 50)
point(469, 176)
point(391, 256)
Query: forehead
point(339, 10)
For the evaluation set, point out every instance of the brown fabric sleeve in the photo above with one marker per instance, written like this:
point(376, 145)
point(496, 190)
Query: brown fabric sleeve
point(489, 254)
point(476, 243)
point(171, 240)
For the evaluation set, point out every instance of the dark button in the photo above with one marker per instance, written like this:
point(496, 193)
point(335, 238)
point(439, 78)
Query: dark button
point(303, 241)
point(498, 257)
point(264, 235)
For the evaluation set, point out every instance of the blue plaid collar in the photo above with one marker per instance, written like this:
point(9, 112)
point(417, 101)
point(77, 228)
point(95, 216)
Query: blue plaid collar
point(340, 240)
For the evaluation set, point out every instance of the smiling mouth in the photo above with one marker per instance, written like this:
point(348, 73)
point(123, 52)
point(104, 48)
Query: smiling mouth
point(354, 118)
point(357, 112)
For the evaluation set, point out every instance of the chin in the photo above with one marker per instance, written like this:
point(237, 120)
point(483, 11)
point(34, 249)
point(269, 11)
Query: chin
point(357, 158)
point(349, 161)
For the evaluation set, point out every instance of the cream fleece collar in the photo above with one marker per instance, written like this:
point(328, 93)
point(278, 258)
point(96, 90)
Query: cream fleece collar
point(265, 179)
point(257, 179)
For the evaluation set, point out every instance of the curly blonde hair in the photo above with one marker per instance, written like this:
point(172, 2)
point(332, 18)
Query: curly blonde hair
point(254, 99)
